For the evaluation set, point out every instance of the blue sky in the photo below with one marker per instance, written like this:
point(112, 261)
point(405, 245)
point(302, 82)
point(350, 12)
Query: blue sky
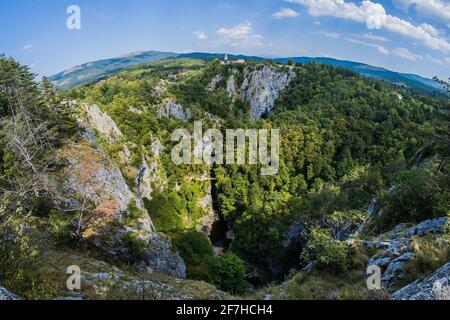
point(402, 35)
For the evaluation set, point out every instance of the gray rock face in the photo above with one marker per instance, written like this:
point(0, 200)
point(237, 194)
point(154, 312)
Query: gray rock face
point(205, 224)
point(159, 258)
point(261, 87)
point(89, 173)
point(6, 295)
point(215, 82)
point(392, 259)
point(157, 148)
point(427, 227)
point(434, 287)
point(148, 178)
point(170, 109)
point(102, 122)
point(231, 87)
point(87, 133)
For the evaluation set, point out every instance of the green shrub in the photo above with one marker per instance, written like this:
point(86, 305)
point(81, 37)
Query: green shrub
point(60, 224)
point(17, 256)
point(229, 273)
point(329, 254)
point(133, 212)
point(41, 206)
point(420, 195)
point(163, 214)
point(135, 245)
point(196, 250)
point(29, 284)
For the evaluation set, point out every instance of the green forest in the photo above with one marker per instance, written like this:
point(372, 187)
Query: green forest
point(346, 142)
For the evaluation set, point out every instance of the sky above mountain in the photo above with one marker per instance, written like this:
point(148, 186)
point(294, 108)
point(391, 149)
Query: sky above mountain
point(402, 35)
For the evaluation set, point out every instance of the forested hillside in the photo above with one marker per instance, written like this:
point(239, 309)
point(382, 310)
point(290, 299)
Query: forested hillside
point(362, 163)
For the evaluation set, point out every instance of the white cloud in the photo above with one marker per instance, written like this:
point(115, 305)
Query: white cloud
point(28, 46)
point(317, 23)
point(334, 35)
point(375, 17)
point(380, 49)
point(405, 54)
point(370, 36)
point(285, 13)
point(430, 29)
point(436, 9)
point(200, 35)
point(240, 35)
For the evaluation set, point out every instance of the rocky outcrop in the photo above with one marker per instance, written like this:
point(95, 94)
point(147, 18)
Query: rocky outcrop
point(297, 235)
point(261, 87)
point(434, 287)
point(89, 173)
point(158, 258)
point(94, 184)
point(232, 87)
point(102, 122)
point(6, 295)
point(148, 178)
point(214, 82)
point(435, 226)
point(205, 224)
point(396, 248)
point(170, 109)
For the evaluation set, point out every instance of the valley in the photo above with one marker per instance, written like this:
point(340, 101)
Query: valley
point(108, 197)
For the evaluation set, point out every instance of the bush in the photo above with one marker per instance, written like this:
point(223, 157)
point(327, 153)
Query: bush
point(133, 212)
point(196, 250)
point(135, 245)
point(17, 256)
point(229, 273)
point(329, 254)
point(60, 227)
point(226, 272)
point(41, 206)
point(419, 195)
point(29, 284)
point(163, 214)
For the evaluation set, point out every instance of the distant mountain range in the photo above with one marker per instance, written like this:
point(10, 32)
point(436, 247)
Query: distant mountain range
point(93, 71)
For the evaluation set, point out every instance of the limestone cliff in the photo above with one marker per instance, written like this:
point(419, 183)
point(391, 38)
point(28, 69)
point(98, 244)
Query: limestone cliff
point(94, 185)
point(171, 109)
point(260, 88)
